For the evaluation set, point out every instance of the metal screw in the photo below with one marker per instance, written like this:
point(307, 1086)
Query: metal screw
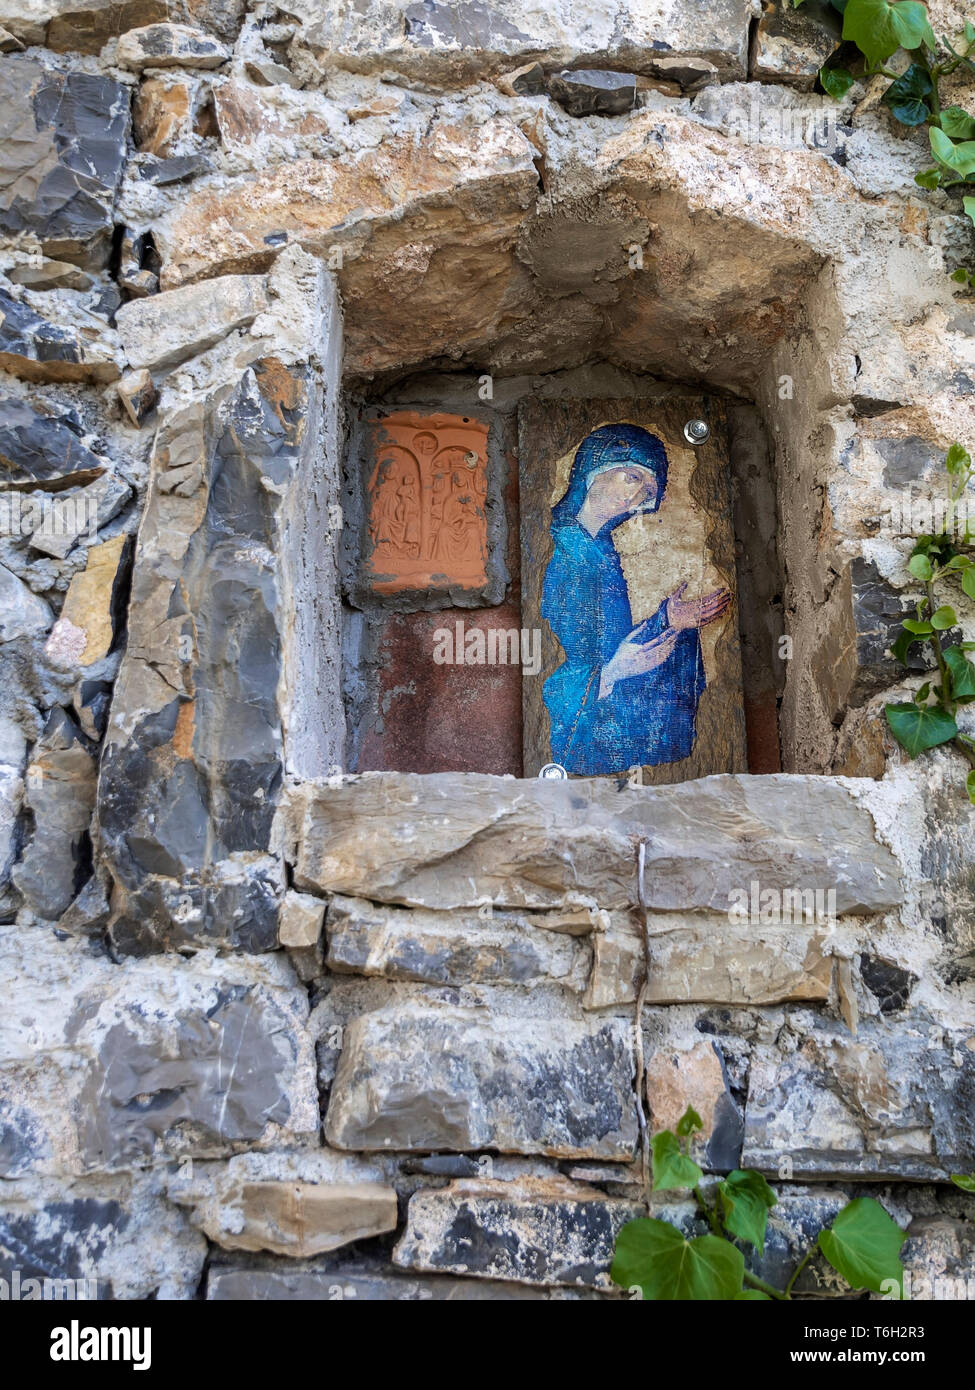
point(696, 431)
point(553, 770)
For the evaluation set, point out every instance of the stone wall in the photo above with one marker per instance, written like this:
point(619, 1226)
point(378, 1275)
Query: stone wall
point(274, 1029)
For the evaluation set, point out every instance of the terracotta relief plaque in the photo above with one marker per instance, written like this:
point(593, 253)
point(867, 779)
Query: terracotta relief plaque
point(628, 573)
point(426, 526)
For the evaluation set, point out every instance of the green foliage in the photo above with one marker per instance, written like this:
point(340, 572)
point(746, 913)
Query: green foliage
point(929, 720)
point(656, 1256)
point(671, 1168)
point(962, 675)
point(909, 97)
point(836, 82)
point(919, 727)
point(746, 1200)
point(862, 1244)
point(966, 1181)
point(881, 29)
point(688, 1123)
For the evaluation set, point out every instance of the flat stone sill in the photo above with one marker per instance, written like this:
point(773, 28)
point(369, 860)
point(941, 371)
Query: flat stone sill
point(456, 840)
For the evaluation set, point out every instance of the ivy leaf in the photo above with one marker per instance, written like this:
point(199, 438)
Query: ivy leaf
point(879, 28)
point(920, 567)
point(968, 582)
point(920, 629)
point(902, 646)
point(746, 1200)
point(962, 675)
point(928, 178)
point(959, 158)
point(943, 618)
point(969, 205)
point(921, 696)
point(689, 1122)
point(751, 1296)
point(966, 1181)
point(906, 96)
point(957, 123)
point(916, 729)
point(863, 1245)
point(959, 562)
point(836, 82)
point(957, 459)
point(666, 1266)
point(670, 1167)
point(970, 788)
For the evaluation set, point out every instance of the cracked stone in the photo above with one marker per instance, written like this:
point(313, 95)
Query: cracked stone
point(36, 349)
point(41, 448)
point(169, 46)
point(593, 93)
point(66, 516)
point(137, 394)
point(167, 328)
point(61, 796)
point(792, 45)
point(531, 1230)
point(417, 1077)
point(63, 140)
point(22, 613)
point(451, 948)
point(890, 1103)
point(85, 629)
point(444, 841)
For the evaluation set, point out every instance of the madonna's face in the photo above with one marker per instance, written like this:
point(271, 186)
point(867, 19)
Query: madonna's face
point(620, 490)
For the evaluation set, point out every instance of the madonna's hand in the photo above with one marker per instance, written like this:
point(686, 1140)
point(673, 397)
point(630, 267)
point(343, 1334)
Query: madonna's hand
point(636, 659)
point(696, 612)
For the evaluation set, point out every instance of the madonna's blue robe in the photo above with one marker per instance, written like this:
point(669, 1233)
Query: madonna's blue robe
point(646, 719)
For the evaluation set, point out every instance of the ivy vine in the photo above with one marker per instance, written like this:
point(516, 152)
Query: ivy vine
point(930, 719)
point(653, 1258)
point(880, 29)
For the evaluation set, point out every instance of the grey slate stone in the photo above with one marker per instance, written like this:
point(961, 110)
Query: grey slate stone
point(178, 169)
point(118, 1236)
point(532, 1230)
point(62, 148)
point(39, 446)
point(594, 93)
point(878, 610)
point(417, 1077)
point(192, 767)
point(450, 42)
point(36, 349)
point(22, 613)
point(908, 460)
point(60, 792)
point(115, 1065)
point(890, 1103)
point(888, 982)
point(451, 948)
point(791, 45)
point(221, 1078)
